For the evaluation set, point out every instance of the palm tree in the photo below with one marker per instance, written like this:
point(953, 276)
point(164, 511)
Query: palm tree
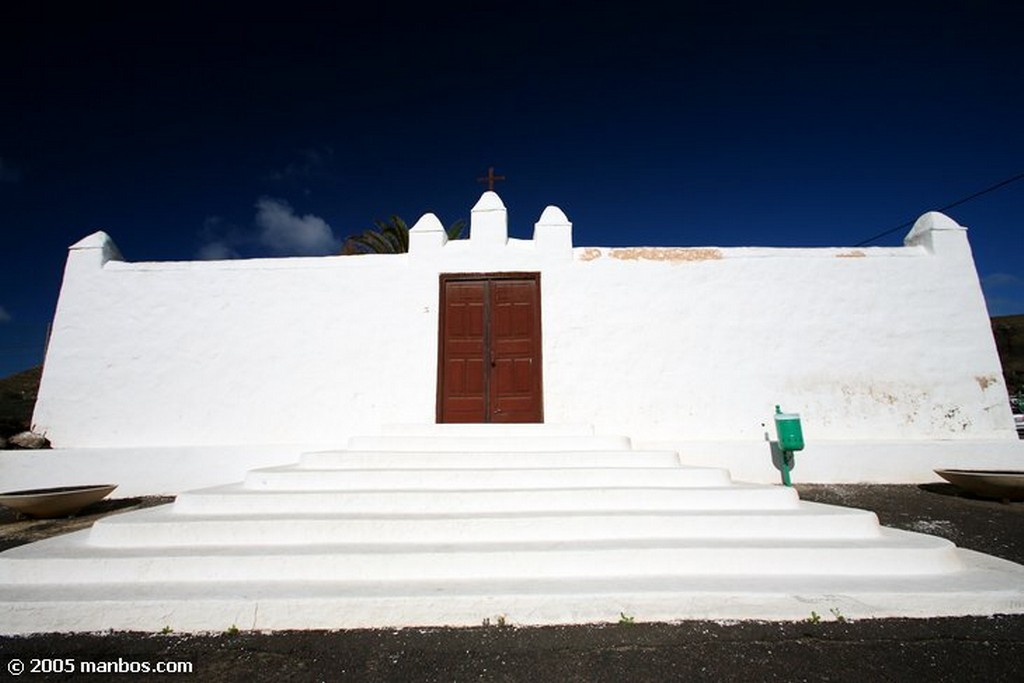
point(390, 237)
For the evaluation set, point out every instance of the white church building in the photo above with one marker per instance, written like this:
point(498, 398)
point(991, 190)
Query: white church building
point(300, 409)
point(168, 375)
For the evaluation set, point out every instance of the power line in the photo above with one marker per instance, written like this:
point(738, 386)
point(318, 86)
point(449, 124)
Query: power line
point(958, 202)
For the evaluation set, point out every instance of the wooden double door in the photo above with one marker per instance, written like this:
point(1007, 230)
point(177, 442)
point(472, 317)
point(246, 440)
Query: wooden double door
point(489, 357)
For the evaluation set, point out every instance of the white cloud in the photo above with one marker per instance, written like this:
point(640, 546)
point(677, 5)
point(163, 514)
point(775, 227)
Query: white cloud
point(8, 174)
point(1001, 280)
point(4, 315)
point(216, 251)
point(285, 232)
point(278, 230)
point(221, 241)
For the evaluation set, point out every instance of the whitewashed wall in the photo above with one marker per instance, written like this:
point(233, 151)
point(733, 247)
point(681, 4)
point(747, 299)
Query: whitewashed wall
point(663, 344)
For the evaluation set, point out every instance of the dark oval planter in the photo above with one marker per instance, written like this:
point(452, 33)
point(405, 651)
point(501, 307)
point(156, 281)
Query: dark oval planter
point(59, 501)
point(1001, 484)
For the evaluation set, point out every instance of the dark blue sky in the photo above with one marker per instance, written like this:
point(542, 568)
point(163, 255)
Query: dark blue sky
point(245, 132)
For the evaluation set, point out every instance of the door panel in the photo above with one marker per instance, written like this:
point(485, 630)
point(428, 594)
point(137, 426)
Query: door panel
point(515, 343)
point(464, 351)
point(490, 344)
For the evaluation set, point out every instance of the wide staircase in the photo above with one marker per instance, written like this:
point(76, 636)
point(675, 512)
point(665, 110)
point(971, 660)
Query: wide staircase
point(443, 525)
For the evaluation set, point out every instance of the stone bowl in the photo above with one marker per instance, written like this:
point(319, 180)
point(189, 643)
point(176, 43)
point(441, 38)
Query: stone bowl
point(1005, 485)
point(59, 501)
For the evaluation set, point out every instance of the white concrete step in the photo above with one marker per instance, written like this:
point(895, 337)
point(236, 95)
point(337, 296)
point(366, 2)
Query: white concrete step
point(494, 429)
point(452, 524)
point(163, 526)
point(980, 589)
point(237, 499)
point(488, 442)
point(344, 459)
point(893, 553)
point(291, 478)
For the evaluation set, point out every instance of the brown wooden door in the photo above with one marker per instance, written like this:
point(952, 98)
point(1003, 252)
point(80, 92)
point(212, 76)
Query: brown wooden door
point(489, 357)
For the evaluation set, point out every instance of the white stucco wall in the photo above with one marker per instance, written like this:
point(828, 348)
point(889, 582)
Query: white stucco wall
point(662, 344)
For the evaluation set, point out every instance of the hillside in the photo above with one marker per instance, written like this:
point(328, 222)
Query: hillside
point(17, 398)
point(1009, 333)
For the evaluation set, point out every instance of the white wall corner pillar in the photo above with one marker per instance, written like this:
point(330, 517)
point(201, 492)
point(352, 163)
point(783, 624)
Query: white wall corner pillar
point(427, 235)
point(488, 223)
point(939, 234)
point(82, 296)
point(93, 251)
point(552, 234)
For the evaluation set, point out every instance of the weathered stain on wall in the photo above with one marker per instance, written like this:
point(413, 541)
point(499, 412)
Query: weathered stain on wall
point(950, 418)
point(913, 407)
point(671, 254)
point(590, 253)
point(985, 381)
point(902, 402)
point(855, 253)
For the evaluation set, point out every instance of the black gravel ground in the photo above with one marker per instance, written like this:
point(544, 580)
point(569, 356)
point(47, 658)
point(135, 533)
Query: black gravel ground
point(965, 649)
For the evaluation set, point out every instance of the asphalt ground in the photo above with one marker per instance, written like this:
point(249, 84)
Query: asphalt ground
point(821, 648)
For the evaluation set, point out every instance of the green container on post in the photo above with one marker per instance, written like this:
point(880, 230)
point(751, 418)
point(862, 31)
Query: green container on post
point(791, 438)
point(787, 426)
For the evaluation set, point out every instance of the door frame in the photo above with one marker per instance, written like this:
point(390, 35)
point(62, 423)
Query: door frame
point(445, 278)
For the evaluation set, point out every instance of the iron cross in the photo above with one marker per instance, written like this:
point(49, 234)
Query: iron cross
point(490, 178)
